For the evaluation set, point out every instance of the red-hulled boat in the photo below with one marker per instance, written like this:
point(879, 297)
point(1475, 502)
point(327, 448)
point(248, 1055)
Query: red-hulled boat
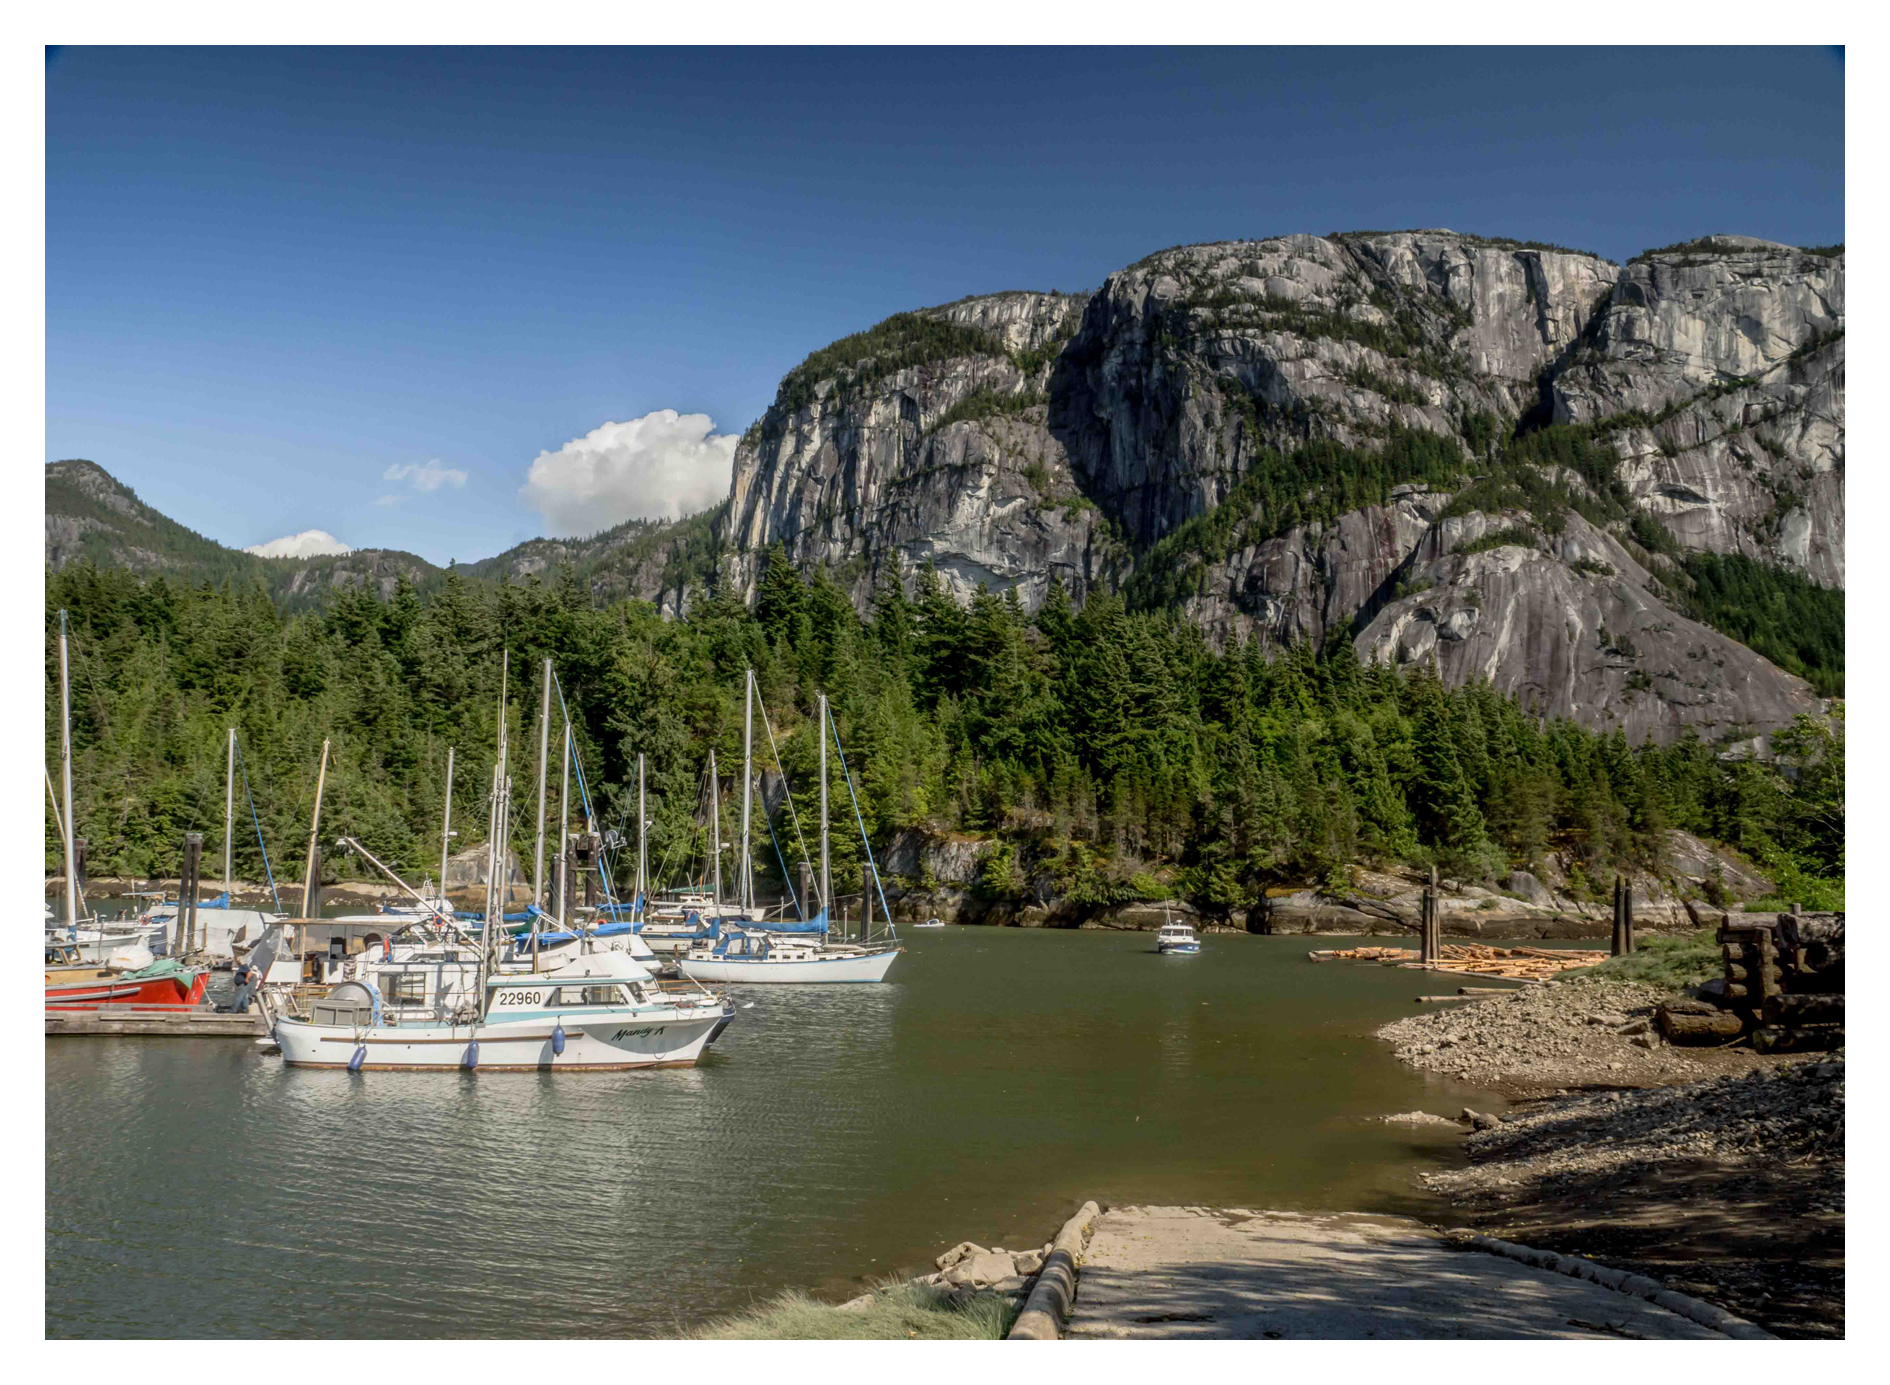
point(165, 983)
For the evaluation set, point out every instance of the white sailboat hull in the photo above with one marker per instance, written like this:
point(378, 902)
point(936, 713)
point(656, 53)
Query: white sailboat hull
point(602, 1044)
point(128, 945)
point(868, 966)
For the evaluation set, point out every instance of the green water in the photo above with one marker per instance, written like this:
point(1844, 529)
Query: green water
point(197, 1187)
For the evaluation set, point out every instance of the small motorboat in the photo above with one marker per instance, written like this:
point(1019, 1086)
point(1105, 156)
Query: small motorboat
point(929, 923)
point(165, 981)
point(1177, 937)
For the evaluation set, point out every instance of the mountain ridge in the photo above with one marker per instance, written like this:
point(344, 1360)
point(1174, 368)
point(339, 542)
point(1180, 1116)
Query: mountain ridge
point(1505, 458)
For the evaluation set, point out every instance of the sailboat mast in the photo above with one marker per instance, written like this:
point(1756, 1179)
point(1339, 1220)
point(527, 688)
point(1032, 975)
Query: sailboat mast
point(309, 867)
point(715, 829)
point(446, 821)
point(544, 756)
point(65, 775)
point(229, 813)
point(826, 885)
point(642, 839)
point(495, 834)
point(564, 826)
point(748, 777)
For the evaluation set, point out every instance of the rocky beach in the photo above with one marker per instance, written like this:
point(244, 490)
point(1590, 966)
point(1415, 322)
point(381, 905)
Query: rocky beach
point(1718, 1171)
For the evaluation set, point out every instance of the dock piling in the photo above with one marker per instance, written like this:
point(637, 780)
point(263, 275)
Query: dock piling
point(187, 893)
point(1429, 934)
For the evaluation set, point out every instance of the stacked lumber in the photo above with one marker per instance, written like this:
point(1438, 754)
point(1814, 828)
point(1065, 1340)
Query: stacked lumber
point(1782, 987)
point(1364, 954)
point(1475, 959)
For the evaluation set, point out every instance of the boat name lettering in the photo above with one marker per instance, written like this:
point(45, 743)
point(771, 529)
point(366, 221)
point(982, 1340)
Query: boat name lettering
point(643, 1033)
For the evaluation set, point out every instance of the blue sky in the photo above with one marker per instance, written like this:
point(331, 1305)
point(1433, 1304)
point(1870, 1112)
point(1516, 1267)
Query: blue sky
point(274, 277)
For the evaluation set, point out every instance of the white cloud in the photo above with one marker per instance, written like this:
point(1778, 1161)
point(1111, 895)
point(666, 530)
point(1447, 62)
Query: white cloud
point(426, 478)
point(662, 465)
point(388, 499)
point(310, 543)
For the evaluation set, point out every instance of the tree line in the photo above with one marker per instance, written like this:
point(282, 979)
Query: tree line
point(1111, 752)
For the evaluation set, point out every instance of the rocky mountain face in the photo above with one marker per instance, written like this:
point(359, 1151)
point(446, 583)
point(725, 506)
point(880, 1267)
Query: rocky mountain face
point(1484, 454)
point(928, 437)
point(1438, 445)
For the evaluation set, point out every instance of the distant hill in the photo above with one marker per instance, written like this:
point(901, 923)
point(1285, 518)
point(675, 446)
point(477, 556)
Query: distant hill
point(645, 559)
point(93, 516)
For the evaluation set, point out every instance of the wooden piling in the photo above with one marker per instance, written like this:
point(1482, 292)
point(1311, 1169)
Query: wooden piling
point(187, 894)
point(1428, 931)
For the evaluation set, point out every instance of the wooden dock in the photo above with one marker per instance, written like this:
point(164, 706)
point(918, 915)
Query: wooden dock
point(199, 1022)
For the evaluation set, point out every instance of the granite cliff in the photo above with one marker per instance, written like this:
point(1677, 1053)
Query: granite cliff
point(1492, 455)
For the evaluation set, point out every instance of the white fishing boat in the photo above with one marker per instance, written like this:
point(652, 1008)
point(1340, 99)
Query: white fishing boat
point(602, 1011)
point(929, 923)
point(1178, 938)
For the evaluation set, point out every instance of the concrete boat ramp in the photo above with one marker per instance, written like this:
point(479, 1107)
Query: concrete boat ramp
point(1195, 1272)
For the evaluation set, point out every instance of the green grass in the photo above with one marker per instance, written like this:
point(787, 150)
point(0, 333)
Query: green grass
point(900, 1311)
point(1670, 963)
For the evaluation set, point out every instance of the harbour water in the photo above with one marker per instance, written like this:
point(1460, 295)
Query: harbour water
point(199, 1188)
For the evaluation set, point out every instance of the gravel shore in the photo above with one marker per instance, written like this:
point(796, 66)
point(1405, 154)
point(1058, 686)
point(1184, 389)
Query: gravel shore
point(1582, 1032)
point(1718, 1171)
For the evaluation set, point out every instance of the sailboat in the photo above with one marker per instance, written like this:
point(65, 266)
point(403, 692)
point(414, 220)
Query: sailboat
point(121, 967)
point(454, 1006)
point(743, 950)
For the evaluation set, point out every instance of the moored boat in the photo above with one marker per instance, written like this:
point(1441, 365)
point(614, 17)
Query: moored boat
point(1177, 938)
point(164, 982)
point(602, 1011)
point(743, 957)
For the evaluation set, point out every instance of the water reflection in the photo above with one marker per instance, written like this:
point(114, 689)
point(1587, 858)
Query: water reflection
point(198, 1188)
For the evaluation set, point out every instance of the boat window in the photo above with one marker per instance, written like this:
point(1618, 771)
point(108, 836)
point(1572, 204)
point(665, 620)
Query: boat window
point(587, 995)
point(403, 987)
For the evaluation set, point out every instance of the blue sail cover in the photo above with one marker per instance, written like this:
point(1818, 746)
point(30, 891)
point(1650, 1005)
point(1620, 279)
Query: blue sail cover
point(817, 924)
